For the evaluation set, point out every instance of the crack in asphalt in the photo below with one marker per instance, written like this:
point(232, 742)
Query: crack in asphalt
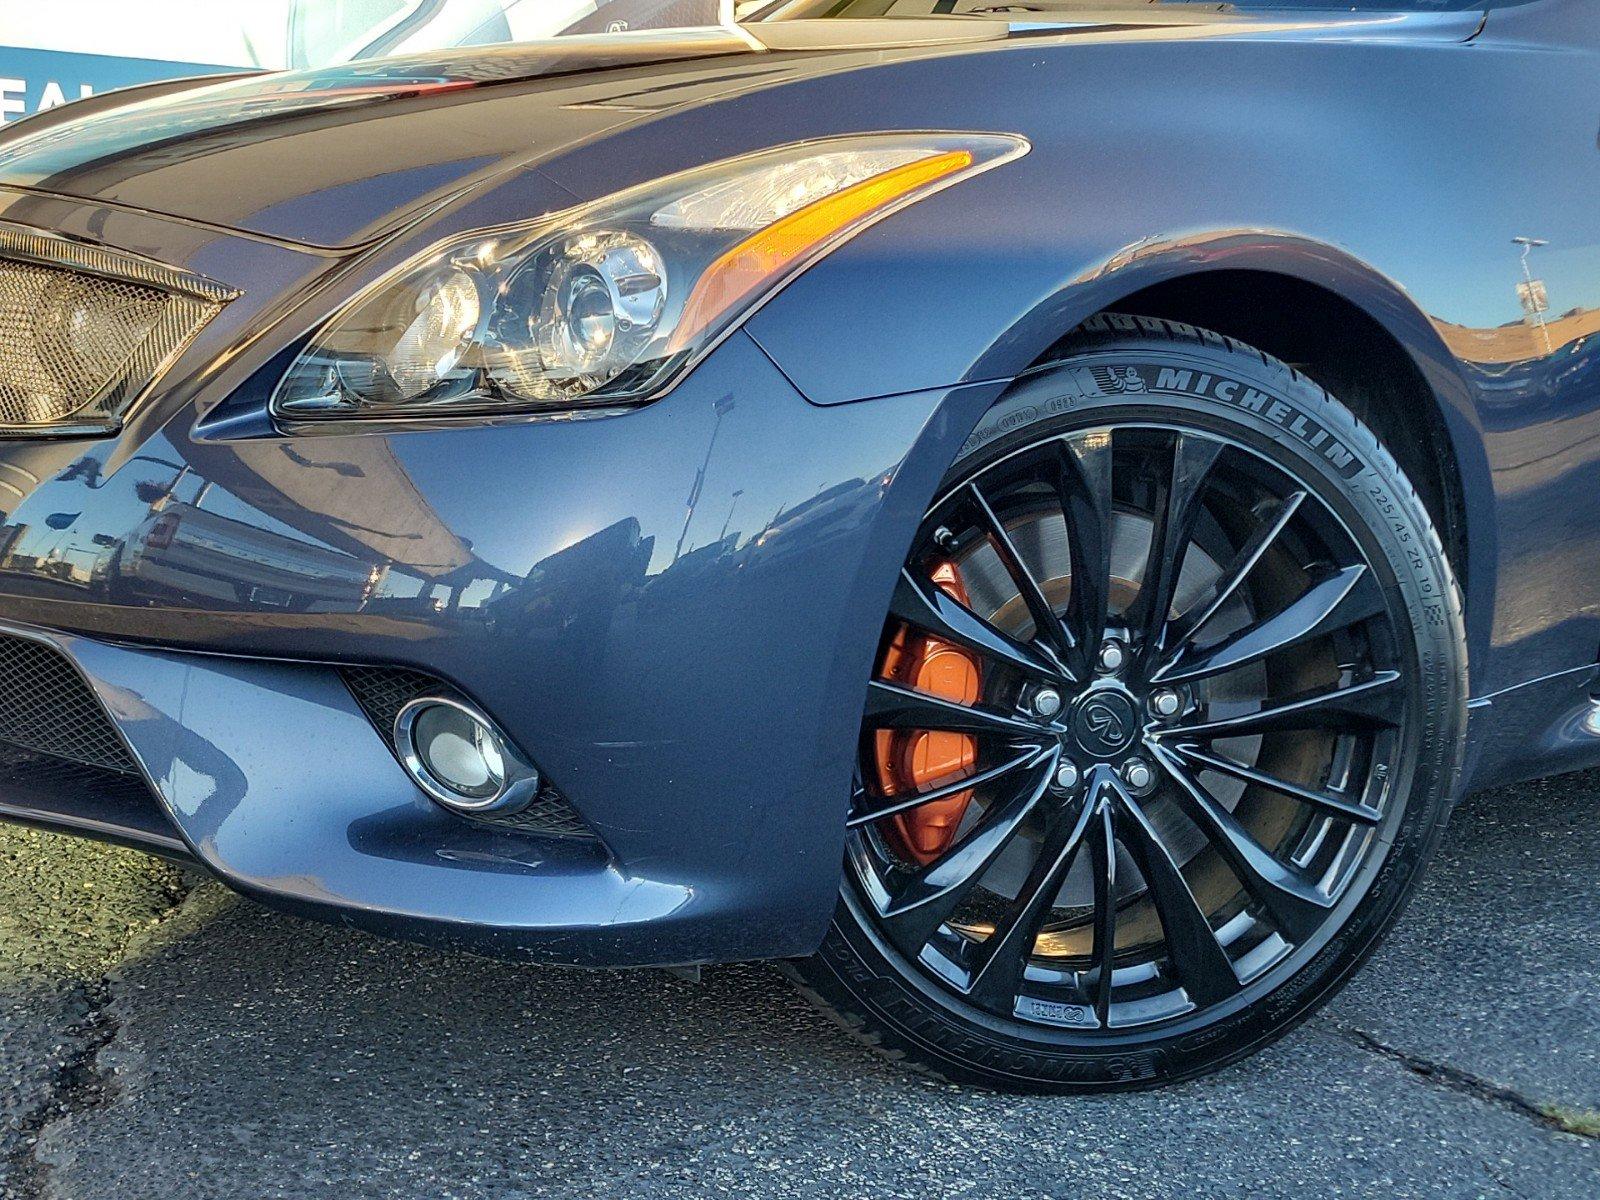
point(78, 1085)
point(1458, 1080)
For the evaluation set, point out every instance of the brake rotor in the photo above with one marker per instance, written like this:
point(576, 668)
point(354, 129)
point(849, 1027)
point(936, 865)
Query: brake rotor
point(909, 761)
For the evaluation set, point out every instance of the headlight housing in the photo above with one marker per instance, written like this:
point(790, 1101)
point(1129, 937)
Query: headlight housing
point(608, 305)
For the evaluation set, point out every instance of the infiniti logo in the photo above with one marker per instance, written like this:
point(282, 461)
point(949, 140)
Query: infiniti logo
point(1104, 722)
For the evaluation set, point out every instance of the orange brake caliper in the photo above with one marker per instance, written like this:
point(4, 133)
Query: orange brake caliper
point(917, 760)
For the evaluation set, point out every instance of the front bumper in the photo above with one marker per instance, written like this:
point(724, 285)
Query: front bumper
point(672, 612)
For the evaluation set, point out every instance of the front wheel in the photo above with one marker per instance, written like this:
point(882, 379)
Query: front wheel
point(1165, 722)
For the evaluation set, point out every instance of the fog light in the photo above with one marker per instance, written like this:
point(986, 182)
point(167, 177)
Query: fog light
point(458, 757)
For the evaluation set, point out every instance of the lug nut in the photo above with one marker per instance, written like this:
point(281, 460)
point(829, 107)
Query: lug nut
point(1136, 774)
point(1111, 656)
point(1066, 776)
point(1046, 702)
point(1166, 703)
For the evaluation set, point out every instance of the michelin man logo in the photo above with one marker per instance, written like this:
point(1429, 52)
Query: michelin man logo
point(1117, 381)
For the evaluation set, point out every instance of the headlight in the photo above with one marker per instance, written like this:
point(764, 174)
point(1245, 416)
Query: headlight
point(607, 305)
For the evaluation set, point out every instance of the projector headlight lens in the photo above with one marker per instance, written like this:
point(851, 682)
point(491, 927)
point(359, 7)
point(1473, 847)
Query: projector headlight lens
point(600, 306)
point(609, 304)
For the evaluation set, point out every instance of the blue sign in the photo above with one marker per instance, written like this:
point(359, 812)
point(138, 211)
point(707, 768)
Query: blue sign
point(34, 80)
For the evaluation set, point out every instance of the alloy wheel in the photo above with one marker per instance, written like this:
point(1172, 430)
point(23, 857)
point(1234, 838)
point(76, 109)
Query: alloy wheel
point(1172, 761)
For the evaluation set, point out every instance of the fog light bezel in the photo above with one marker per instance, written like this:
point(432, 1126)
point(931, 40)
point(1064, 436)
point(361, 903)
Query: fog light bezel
point(520, 782)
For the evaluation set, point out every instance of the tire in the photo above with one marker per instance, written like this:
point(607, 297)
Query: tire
point(1113, 984)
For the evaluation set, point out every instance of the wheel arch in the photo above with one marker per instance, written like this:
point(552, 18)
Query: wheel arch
point(1342, 324)
point(1336, 344)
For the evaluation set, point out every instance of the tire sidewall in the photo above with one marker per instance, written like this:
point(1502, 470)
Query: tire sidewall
point(1121, 369)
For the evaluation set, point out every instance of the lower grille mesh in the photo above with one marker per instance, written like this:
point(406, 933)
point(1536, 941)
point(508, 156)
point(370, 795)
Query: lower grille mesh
point(37, 771)
point(46, 706)
point(51, 792)
point(383, 691)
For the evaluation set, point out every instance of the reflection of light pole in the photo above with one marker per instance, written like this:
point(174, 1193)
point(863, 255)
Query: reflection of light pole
point(1532, 302)
point(729, 519)
point(721, 407)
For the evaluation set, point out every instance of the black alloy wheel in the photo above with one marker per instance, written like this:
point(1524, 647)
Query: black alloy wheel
point(1216, 733)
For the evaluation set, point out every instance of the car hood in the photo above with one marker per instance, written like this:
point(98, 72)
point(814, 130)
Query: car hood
point(340, 157)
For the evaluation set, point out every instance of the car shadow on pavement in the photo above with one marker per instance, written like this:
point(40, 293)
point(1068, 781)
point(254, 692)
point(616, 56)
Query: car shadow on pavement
point(251, 1054)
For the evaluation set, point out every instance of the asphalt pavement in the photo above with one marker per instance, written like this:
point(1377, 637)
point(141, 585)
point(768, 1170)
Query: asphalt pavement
point(165, 1040)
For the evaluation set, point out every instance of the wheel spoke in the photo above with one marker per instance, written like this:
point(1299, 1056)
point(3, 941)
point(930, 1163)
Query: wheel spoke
point(890, 706)
point(927, 899)
point(1084, 484)
point(1103, 856)
point(1338, 601)
point(1176, 513)
point(1293, 901)
point(1237, 571)
point(1048, 630)
point(943, 792)
point(1202, 965)
point(934, 611)
point(1293, 587)
point(1372, 704)
point(1328, 803)
point(997, 974)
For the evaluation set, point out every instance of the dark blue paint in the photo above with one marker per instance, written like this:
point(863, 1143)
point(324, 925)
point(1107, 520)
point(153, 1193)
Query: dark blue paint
point(674, 610)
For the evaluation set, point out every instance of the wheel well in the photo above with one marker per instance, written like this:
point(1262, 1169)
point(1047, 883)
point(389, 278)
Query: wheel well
point(1337, 345)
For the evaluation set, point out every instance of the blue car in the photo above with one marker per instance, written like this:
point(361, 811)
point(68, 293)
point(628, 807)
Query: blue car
point(1029, 516)
point(51, 53)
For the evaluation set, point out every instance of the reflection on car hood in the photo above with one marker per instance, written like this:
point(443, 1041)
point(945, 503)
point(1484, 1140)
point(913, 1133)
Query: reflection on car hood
point(369, 143)
point(340, 156)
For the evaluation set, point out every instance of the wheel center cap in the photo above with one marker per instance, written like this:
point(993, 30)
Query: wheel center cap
point(1105, 724)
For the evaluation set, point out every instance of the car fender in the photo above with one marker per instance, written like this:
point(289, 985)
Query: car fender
point(1024, 348)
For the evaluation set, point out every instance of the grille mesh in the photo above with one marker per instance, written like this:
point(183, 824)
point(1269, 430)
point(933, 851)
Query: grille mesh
point(57, 794)
point(46, 706)
point(383, 691)
point(84, 329)
point(66, 339)
point(34, 771)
